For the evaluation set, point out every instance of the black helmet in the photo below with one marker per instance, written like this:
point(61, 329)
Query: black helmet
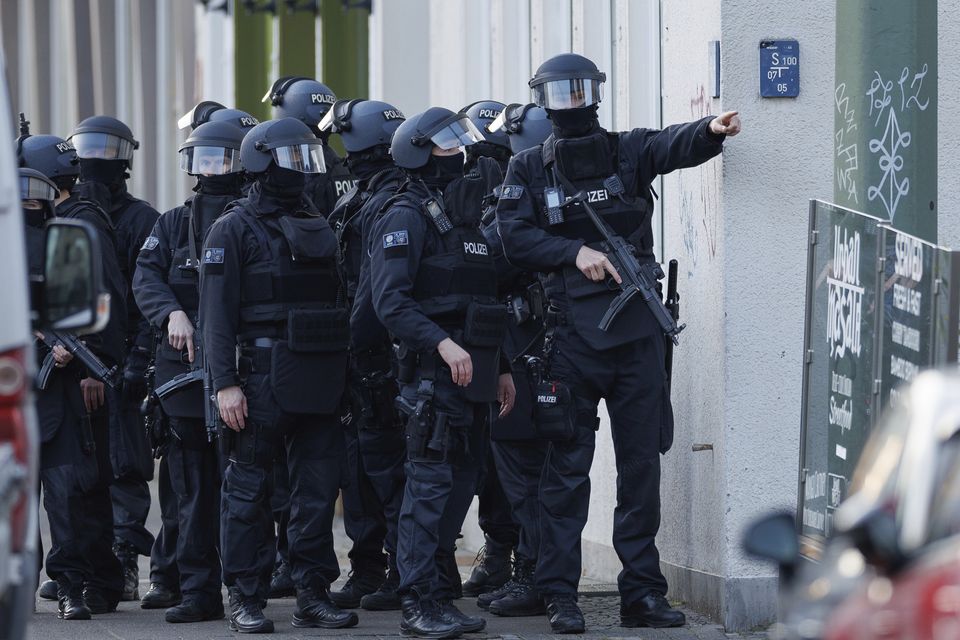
point(362, 124)
point(525, 125)
point(212, 149)
point(210, 111)
point(415, 138)
point(36, 186)
point(483, 113)
point(52, 156)
point(105, 138)
point(302, 98)
point(567, 81)
point(287, 142)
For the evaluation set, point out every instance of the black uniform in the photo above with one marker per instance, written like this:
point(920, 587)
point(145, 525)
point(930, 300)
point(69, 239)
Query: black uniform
point(326, 189)
point(167, 280)
point(624, 366)
point(133, 219)
point(425, 285)
point(373, 489)
point(269, 284)
point(75, 469)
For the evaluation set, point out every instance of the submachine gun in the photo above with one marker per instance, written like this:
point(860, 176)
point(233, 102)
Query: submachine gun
point(110, 376)
point(637, 278)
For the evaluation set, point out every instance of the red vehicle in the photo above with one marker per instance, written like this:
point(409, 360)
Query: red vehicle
point(892, 569)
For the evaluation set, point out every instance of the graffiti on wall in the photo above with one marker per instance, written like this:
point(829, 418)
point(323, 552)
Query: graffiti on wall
point(699, 190)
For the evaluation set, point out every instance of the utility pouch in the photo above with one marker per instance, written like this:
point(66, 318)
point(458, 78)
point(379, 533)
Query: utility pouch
point(486, 371)
point(309, 239)
point(243, 449)
point(294, 375)
point(589, 302)
point(486, 325)
point(378, 392)
point(226, 440)
point(554, 412)
point(406, 364)
point(318, 331)
point(429, 433)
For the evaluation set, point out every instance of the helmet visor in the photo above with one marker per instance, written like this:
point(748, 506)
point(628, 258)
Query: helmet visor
point(32, 188)
point(574, 93)
point(105, 146)
point(210, 161)
point(459, 133)
point(305, 158)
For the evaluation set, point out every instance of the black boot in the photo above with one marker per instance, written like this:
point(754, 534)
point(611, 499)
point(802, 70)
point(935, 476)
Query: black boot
point(196, 609)
point(520, 564)
point(315, 609)
point(99, 602)
point(127, 555)
point(652, 610)
point(246, 616)
point(159, 596)
point(70, 605)
point(281, 584)
point(523, 599)
point(386, 597)
point(565, 616)
point(469, 624)
point(359, 583)
point(422, 618)
point(48, 590)
point(492, 570)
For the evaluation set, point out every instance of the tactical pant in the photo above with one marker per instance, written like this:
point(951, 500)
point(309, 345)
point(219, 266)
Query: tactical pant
point(133, 468)
point(438, 492)
point(631, 379)
point(163, 556)
point(363, 517)
point(382, 455)
point(493, 511)
point(519, 464)
point(314, 452)
point(194, 471)
point(76, 496)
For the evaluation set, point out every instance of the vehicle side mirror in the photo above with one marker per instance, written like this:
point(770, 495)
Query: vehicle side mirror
point(72, 298)
point(877, 538)
point(774, 537)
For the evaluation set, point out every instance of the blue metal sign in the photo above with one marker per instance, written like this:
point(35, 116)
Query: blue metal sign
point(779, 69)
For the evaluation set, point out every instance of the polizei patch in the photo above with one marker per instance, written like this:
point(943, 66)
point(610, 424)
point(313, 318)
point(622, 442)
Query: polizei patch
point(511, 192)
point(213, 256)
point(396, 239)
point(150, 243)
point(475, 248)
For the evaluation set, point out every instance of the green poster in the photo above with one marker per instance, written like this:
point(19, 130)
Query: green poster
point(885, 115)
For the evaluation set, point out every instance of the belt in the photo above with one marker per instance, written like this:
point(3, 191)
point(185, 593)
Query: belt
point(260, 343)
point(258, 352)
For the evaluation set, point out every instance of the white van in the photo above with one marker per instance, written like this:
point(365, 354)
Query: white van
point(19, 442)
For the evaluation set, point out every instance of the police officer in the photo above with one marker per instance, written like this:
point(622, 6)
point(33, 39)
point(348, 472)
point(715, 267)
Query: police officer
point(543, 231)
point(76, 472)
point(166, 286)
point(105, 147)
point(308, 100)
point(517, 446)
point(374, 469)
point(499, 529)
point(434, 289)
point(268, 284)
point(213, 193)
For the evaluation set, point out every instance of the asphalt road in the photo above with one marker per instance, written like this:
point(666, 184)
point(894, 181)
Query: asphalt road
point(130, 622)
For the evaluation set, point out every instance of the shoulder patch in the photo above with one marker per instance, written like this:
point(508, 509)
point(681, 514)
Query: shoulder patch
point(150, 243)
point(511, 192)
point(395, 239)
point(213, 255)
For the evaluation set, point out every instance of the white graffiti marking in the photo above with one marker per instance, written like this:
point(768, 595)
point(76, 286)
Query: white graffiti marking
point(847, 154)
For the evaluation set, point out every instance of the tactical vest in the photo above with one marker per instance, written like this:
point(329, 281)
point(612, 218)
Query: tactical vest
point(594, 165)
point(290, 298)
point(456, 287)
point(196, 216)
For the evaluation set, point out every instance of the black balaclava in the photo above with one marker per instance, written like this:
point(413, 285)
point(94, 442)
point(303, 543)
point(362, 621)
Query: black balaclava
point(36, 218)
point(112, 173)
point(369, 162)
point(442, 170)
point(225, 185)
point(488, 150)
point(572, 123)
point(286, 185)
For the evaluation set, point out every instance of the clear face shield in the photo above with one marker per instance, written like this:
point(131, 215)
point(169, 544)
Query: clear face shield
point(210, 161)
point(460, 132)
point(32, 188)
point(572, 93)
point(337, 118)
point(104, 146)
point(305, 158)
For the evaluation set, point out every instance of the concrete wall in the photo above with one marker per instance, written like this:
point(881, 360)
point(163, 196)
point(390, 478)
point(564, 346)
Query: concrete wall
point(948, 124)
point(738, 226)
